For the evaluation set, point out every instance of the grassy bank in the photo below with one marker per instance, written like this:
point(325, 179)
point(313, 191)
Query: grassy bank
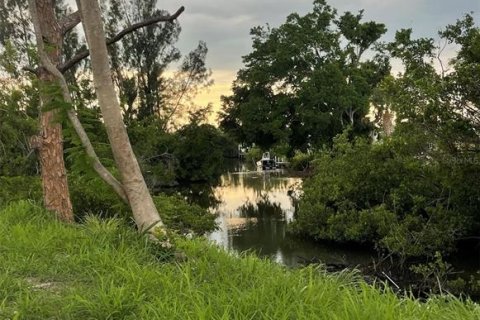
point(104, 270)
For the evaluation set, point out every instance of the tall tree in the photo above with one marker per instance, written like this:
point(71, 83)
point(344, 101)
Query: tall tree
point(307, 80)
point(143, 208)
point(140, 59)
point(142, 62)
point(50, 141)
point(50, 32)
point(56, 93)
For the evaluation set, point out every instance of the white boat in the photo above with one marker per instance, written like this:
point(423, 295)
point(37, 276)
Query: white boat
point(267, 163)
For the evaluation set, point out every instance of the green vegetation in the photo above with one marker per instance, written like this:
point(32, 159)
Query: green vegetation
point(182, 217)
point(307, 80)
point(18, 125)
point(166, 127)
point(253, 154)
point(200, 150)
point(19, 188)
point(301, 161)
point(404, 179)
point(387, 195)
point(105, 270)
point(94, 197)
point(317, 89)
point(416, 192)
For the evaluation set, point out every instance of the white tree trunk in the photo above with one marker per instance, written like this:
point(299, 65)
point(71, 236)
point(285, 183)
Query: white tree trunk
point(141, 203)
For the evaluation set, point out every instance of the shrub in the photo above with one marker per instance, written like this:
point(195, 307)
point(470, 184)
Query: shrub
point(397, 195)
point(91, 196)
point(154, 149)
point(19, 188)
point(301, 161)
point(184, 217)
point(200, 151)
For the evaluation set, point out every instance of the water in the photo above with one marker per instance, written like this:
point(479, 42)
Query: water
point(254, 210)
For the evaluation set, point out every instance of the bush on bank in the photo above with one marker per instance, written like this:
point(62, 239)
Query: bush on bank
point(403, 196)
point(91, 196)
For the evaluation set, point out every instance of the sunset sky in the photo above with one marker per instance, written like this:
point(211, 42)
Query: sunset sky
point(225, 25)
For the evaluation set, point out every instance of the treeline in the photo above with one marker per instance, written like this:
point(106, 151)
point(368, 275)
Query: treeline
point(167, 129)
point(396, 157)
point(156, 84)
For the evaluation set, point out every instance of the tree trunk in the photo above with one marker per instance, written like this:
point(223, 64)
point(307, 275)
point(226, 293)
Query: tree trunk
point(54, 178)
point(141, 202)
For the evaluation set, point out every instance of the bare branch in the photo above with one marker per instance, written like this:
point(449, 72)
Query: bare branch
point(174, 109)
point(31, 70)
point(83, 54)
point(440, 61)
point(69, 22)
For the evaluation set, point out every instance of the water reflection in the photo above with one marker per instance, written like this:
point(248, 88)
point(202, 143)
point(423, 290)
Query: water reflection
point(254, 210)
point(201, 194)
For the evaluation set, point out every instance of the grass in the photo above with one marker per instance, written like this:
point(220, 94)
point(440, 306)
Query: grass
point(104, 270)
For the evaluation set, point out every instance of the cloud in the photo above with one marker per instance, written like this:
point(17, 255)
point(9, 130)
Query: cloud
point(225, 25)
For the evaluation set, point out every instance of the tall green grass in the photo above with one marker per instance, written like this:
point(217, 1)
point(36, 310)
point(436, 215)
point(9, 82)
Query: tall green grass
point(105, 270)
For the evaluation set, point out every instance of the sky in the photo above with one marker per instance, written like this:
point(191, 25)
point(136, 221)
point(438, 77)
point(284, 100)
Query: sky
point(225, 26)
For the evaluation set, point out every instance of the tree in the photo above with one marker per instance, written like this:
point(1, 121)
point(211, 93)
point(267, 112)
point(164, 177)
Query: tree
point(143, 208)
point(415, 192)
point(140, 62)
point(200, 149)
point(19, 96)
point(57, 94)
point(50, 142)
point(464, 82)
point(17, 126)
point(307, 80)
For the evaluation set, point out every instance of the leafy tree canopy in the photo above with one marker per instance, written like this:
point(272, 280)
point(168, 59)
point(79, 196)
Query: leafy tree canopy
point(307, 80)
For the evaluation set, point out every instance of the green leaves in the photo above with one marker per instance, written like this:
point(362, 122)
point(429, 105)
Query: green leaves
point(305, 81)
point(401, 194)
point(9, 58)
point(18, 107)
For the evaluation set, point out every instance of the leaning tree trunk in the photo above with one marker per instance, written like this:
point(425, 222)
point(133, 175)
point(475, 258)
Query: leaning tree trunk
point(143, 208)
point(50, 142)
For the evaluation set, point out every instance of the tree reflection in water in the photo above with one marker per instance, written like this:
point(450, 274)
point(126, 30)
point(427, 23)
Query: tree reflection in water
point(254, 211)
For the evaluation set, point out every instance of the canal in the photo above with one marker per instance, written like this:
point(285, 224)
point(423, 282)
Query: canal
point(254, 209)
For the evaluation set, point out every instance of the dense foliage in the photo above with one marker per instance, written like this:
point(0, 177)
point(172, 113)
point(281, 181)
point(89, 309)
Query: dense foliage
point(195, 152)
point(307, 80)
point(200, 150)
point(156, 104)
point(91, 196)
point(392, 194)
point(19, 188)
point(17, 112)
point(416, 192)
point(318, 88)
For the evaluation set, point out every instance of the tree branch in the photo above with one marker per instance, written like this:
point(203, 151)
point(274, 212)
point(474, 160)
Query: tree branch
point(31, 70)
point(83, 54)
point(174, 109)
point(69, 22)
point(72, 116)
